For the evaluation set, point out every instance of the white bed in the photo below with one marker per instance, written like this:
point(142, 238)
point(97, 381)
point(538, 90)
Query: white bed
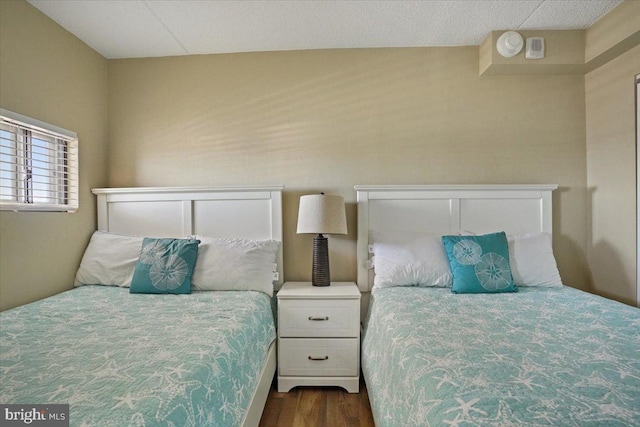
point(253, 213)
point(546, 354)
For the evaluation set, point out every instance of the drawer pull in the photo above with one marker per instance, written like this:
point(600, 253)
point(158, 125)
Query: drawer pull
point(319, 318)
point(318, 358)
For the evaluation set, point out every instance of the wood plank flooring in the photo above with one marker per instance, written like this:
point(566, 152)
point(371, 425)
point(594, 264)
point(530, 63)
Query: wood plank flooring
point(317, 407)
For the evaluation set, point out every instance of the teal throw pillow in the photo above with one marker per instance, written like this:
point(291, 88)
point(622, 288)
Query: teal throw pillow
point(479, 264)
point(165, 266)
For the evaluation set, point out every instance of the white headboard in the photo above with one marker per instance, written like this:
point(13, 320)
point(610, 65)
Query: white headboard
point(448, 209)
point(243, 212)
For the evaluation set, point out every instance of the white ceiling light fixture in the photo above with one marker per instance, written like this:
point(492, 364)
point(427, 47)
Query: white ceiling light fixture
point(509, 44)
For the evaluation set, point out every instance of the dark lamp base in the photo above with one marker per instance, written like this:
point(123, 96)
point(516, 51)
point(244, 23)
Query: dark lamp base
point(320, 272)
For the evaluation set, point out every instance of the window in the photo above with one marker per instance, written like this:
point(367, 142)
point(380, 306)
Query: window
point(38, 165)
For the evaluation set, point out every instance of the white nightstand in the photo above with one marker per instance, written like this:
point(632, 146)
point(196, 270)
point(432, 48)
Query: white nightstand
point(319, 335)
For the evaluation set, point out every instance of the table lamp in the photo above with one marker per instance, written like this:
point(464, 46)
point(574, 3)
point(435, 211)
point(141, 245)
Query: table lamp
point(321, 214)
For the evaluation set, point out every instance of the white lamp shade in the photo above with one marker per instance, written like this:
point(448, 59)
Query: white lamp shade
point(322, 214)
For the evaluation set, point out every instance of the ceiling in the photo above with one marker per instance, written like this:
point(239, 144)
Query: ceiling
point(147, 28)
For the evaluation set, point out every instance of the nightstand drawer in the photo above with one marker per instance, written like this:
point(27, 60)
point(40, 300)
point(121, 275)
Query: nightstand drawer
point(319, 357)
point(319, 318)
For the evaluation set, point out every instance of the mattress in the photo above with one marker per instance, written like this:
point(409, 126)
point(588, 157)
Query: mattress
point(543, 357)
point(120, 359)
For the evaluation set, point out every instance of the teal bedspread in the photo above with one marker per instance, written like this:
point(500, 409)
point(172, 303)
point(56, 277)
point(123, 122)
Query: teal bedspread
point(120, 359)
point(539, 357)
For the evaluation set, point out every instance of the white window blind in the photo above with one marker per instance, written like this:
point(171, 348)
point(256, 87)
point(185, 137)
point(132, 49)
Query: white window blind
point(38, 165)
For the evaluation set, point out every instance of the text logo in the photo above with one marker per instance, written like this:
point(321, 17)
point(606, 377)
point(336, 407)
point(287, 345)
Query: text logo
point(34, 415)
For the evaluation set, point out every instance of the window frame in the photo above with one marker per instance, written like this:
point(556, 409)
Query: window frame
point(28, 194)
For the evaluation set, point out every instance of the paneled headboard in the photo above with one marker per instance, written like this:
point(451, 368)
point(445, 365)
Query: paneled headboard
point(448, 209)
point(243, 212)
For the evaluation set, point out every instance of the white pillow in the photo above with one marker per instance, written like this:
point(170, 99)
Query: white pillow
point(410, 259)
point(109, 259)
point(226, 264)
point(532, 261)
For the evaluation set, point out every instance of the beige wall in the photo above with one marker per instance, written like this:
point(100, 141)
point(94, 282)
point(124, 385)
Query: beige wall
point(611, 178)
point(321, 121)
point(48, 74)
point(326, 120)
point(614, 33)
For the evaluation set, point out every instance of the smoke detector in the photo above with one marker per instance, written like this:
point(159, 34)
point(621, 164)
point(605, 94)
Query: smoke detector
point(509, 44)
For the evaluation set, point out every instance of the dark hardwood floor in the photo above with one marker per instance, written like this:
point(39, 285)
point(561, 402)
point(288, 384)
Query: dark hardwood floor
point(317, 407)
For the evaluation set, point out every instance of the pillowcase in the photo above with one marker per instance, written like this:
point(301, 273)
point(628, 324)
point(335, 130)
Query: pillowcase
point(227, 264)
point(165, 266)
point(409, 259)
point(480, 264)
point(532, 261)
point(109, 259)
